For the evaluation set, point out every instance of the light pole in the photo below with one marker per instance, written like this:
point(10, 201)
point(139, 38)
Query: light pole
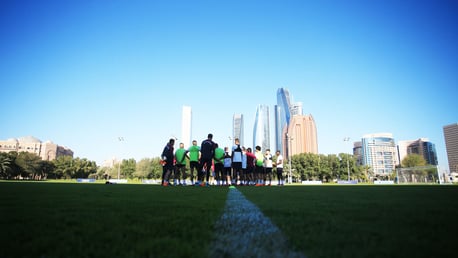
point(347, 139)
point(120, 139)
point(289, 142)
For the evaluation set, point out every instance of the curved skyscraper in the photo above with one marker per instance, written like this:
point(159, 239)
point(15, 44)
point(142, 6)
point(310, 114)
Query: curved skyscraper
point(282, 115)
point(261, 130)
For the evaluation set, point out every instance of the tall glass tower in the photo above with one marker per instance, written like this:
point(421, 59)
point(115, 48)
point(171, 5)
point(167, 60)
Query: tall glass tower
point(282, 115)
point(237, 128)
point(261, 130)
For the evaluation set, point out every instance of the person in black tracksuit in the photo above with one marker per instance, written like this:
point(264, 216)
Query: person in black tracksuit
point(167, 159)
point(207, 150)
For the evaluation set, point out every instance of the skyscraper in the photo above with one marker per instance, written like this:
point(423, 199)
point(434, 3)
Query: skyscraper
point(186, 126)
point(451, 145)
point(422, 147)
point(282, 116)
point(301, 136)
point(379, 153)
point(237, 128)
point(261, 130)
point(296, 109)
point(278, 126)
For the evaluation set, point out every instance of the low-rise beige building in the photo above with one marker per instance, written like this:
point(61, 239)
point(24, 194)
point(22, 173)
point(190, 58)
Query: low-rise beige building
point(46, 150)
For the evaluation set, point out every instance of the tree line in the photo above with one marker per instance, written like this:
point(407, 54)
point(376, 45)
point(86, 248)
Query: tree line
point(29, 166)
point(305, 166)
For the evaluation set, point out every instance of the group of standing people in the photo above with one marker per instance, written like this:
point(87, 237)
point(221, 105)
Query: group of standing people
point(239, 166)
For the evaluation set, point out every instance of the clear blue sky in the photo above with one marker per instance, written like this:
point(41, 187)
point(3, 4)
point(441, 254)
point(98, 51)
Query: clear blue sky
point(83, 73)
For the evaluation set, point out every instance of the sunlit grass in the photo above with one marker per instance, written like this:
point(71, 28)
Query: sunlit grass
point(56, 219)
point(364, 221)
point(94, 220)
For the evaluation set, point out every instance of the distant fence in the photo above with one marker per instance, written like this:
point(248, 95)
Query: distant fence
point(85, 180)
point(312, 182)
point(118, 181)
point(347, 182)
point(383, 182)
point(151, 181)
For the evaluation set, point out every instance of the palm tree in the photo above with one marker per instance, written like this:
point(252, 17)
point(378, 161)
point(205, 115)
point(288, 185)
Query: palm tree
point(5, 165)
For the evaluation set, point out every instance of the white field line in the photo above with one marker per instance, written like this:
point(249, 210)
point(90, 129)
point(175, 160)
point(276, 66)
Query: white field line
point(244, 231)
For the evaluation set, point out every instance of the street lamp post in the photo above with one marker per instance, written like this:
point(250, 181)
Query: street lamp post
point(121, 139)
point(289, 141)
point(347, 139)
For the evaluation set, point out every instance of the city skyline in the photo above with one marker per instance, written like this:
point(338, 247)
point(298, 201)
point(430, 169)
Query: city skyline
point(84, 73)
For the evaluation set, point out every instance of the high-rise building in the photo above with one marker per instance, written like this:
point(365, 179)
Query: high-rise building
point(237, 128)
point(292, 128)
point(296, 109)
point(422, 147)
point(261, 130)
point(278, 126)
point(358, 152)
point(282, 116)
point(300, 136)
point(186, 126)
point(451, 145)
point(379, 153)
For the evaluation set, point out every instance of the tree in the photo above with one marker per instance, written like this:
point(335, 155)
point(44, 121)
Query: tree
point(5, 165)
point(128, 167)
point(157, 168)
point(311, 166)
point(63, 167)
point(413, 160)
point(144, 168)
point(82, 168)
point(47, 168)
point(29, 164)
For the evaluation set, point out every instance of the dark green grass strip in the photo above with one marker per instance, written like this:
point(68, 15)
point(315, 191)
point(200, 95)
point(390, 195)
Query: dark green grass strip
point(93, 220)
point(364, 221)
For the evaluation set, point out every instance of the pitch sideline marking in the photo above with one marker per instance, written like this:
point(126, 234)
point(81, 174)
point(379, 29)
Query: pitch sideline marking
point(244, 231)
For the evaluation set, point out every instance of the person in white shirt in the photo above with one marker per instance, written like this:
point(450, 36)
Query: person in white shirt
point(279, 166)
point(268, 165)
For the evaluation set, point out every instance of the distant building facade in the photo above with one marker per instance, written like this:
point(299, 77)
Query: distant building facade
point(422, 147)
point(46, 150)
point(261, 129)
point(451, 145)
point(379, 152)
point(300, 136)
point(358, 152)
point(237, 128)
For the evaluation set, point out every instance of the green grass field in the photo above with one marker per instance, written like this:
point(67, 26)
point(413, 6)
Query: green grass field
point(40, 219)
